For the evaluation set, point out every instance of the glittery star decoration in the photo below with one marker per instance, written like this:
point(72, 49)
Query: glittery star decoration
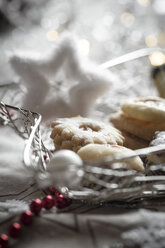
point(85, 81)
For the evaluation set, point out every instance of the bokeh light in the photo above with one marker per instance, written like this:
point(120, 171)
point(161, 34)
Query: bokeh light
point(144, 2)
point(52, 35)
point(151, 40)
point(157, 58)
point(84, 46)
point(127, 19)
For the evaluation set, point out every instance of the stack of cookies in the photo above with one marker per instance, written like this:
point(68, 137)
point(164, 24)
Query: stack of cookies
point(139, 119)
point(92, 140)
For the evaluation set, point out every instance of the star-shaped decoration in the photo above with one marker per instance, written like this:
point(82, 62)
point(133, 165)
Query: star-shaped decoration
point(86, 81)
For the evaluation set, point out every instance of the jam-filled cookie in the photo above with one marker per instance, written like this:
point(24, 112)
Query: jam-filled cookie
point(96, 152)
point(139, 119)
point(76, 132)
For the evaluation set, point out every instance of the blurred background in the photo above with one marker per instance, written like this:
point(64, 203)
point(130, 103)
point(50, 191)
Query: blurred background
point(106, 29)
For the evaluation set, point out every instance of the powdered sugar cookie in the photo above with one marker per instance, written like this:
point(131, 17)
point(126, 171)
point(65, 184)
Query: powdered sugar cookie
point(96, 152)
point(76, 132)
point(147, 109)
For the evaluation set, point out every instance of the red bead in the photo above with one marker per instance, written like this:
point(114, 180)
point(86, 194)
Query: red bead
point(54, 191)
point(4, 241)
point(62, 202)
point(45, 157)
point(26, 217)
point(48, 202)
point(15, 230)
point(36, 206)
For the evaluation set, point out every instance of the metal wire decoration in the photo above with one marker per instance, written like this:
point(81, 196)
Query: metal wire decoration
point(106, 180)
point(100, 183)
point(26, 124)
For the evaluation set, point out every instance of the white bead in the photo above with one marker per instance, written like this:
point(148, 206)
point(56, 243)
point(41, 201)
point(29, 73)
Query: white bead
point(65, 168)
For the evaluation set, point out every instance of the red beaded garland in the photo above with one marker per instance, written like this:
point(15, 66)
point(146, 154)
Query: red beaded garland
point(15, 230)
point(36, 206)
point(48, 202)
point(62, 202)
point(54, 191)
point(4, 241)
point(26, 217)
